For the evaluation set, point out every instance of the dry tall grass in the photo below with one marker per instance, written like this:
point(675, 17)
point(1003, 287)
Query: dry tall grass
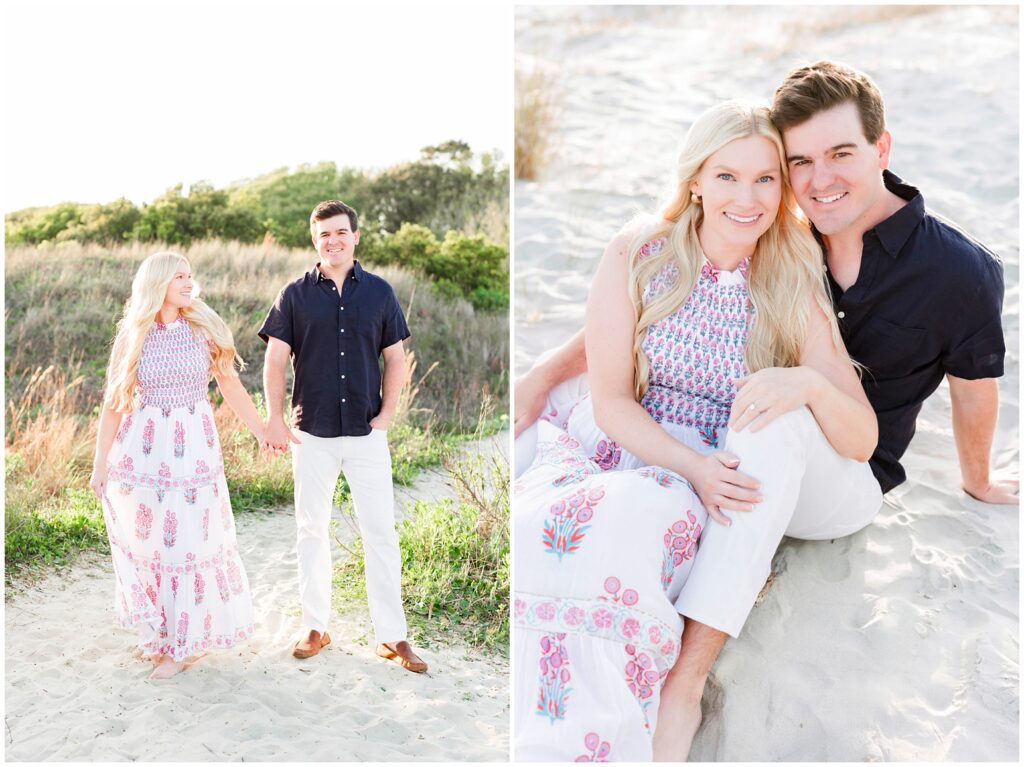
point(535, 116)
point(63, 303)
point(48, 441)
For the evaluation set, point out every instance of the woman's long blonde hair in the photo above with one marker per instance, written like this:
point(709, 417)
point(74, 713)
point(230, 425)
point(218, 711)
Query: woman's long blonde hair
point(786, 266)
point(148, 290)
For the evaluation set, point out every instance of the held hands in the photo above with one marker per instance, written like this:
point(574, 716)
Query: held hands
point(276, 437)
point(765, 395)
point(722, 488)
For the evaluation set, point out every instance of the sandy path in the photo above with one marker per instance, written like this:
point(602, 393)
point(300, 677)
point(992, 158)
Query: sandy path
point(74, 691)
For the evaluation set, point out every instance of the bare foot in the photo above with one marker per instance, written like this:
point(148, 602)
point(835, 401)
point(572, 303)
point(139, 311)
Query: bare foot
point(676, 729)
point(167, 669)
point(155, 659)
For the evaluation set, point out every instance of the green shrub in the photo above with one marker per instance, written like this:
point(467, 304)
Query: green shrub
point(471, 267)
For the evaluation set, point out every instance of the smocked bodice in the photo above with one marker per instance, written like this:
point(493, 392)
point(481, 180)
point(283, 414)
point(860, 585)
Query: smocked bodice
point(174, 368)
point(697, 351)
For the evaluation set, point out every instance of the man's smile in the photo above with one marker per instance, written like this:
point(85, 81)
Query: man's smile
point(829, 199)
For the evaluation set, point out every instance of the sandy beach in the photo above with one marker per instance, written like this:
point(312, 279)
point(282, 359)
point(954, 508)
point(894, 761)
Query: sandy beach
point(901, 642)
point(74, 690)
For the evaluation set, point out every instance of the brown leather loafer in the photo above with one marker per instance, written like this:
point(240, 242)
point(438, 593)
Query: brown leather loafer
point(310, 646)
point(402, 654)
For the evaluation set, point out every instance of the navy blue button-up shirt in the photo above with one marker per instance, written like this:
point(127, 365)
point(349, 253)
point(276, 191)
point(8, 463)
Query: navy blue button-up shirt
point(927, 301)
point(336, 334)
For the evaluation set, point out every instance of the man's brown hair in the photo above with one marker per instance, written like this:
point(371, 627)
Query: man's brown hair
point(808, 90)
point(330, 208)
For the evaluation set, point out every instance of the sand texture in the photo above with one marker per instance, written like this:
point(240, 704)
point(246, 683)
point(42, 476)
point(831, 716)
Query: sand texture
point(76, 690)
point(900, 642)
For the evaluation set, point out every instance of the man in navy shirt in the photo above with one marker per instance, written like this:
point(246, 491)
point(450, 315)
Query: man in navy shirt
point(915, 298)
point(335, 323)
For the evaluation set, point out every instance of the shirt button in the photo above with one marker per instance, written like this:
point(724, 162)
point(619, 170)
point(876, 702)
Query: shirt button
point(343, 330)
point(343, 399)
point(343, 376)
point(333, 288)
point(343, 354)
point(840, 316)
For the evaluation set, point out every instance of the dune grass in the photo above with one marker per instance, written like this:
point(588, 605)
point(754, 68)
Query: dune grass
point(455, 557)
point(534, 116)
point(62, 304)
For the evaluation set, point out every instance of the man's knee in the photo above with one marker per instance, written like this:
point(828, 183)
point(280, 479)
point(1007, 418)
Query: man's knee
point(310, 529)
point(793, 427)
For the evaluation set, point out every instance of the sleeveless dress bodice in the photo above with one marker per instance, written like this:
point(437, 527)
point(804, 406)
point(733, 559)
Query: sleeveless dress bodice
point(174, 367)
point(697, 351)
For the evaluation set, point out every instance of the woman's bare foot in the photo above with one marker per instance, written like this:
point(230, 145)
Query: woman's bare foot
point(156, 659)
point(167, 669)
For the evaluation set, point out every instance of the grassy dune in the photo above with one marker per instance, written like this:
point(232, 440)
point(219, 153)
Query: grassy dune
point(62, 305)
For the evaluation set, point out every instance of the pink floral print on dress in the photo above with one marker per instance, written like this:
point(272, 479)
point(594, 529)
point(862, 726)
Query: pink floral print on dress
point(554, 678)
point(598, 749)
point(571, 516)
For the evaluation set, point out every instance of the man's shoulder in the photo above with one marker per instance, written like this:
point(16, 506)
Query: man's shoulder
point(960, 255)
point(375, 280)
point(296, 283)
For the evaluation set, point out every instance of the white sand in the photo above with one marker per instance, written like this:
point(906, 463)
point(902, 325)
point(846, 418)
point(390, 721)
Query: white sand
point(74, 691)
point(900, 642)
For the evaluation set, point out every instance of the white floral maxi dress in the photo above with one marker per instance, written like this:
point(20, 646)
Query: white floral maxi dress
point(604, 543)
point(178, 576)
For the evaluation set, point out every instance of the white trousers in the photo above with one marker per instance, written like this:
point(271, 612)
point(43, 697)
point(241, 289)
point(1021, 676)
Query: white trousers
point(366, 463)
point(810, 492)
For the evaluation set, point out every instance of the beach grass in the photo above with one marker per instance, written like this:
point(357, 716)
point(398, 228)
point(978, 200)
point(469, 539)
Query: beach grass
point(63, 301)
point(455, 558)
point(62, 305)
point(534, 122)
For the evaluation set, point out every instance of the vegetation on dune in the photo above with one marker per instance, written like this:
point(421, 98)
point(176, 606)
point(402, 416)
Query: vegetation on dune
point(436, 229)
point(455, 557)
point(63, 303)
point(447, 188)
point(535, 118)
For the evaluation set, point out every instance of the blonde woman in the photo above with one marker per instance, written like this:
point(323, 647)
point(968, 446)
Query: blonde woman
point(690, 318)
point(158, 470)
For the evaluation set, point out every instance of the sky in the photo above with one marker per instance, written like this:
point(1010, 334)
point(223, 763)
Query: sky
point(105, 100)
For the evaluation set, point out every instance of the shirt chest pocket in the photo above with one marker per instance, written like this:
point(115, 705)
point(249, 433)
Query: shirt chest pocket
point(365, 322)
point(889, 350)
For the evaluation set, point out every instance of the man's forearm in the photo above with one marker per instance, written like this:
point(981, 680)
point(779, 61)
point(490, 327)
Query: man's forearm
point(391, 386)
point(975, 406)
point(567, 361)
point(532, 389)
point(273, 388)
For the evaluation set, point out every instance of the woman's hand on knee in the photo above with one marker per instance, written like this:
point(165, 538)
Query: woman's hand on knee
point(721, 486)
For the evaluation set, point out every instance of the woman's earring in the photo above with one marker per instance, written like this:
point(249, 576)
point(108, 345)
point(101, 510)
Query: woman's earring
point(694, 198)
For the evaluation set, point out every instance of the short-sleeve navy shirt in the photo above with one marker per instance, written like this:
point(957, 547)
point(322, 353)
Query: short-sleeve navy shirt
point(336, 339)
point(927, 301)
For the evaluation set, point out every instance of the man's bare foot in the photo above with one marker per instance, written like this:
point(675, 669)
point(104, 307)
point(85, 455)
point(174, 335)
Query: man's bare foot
point(676, 729)
point(167, 669)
